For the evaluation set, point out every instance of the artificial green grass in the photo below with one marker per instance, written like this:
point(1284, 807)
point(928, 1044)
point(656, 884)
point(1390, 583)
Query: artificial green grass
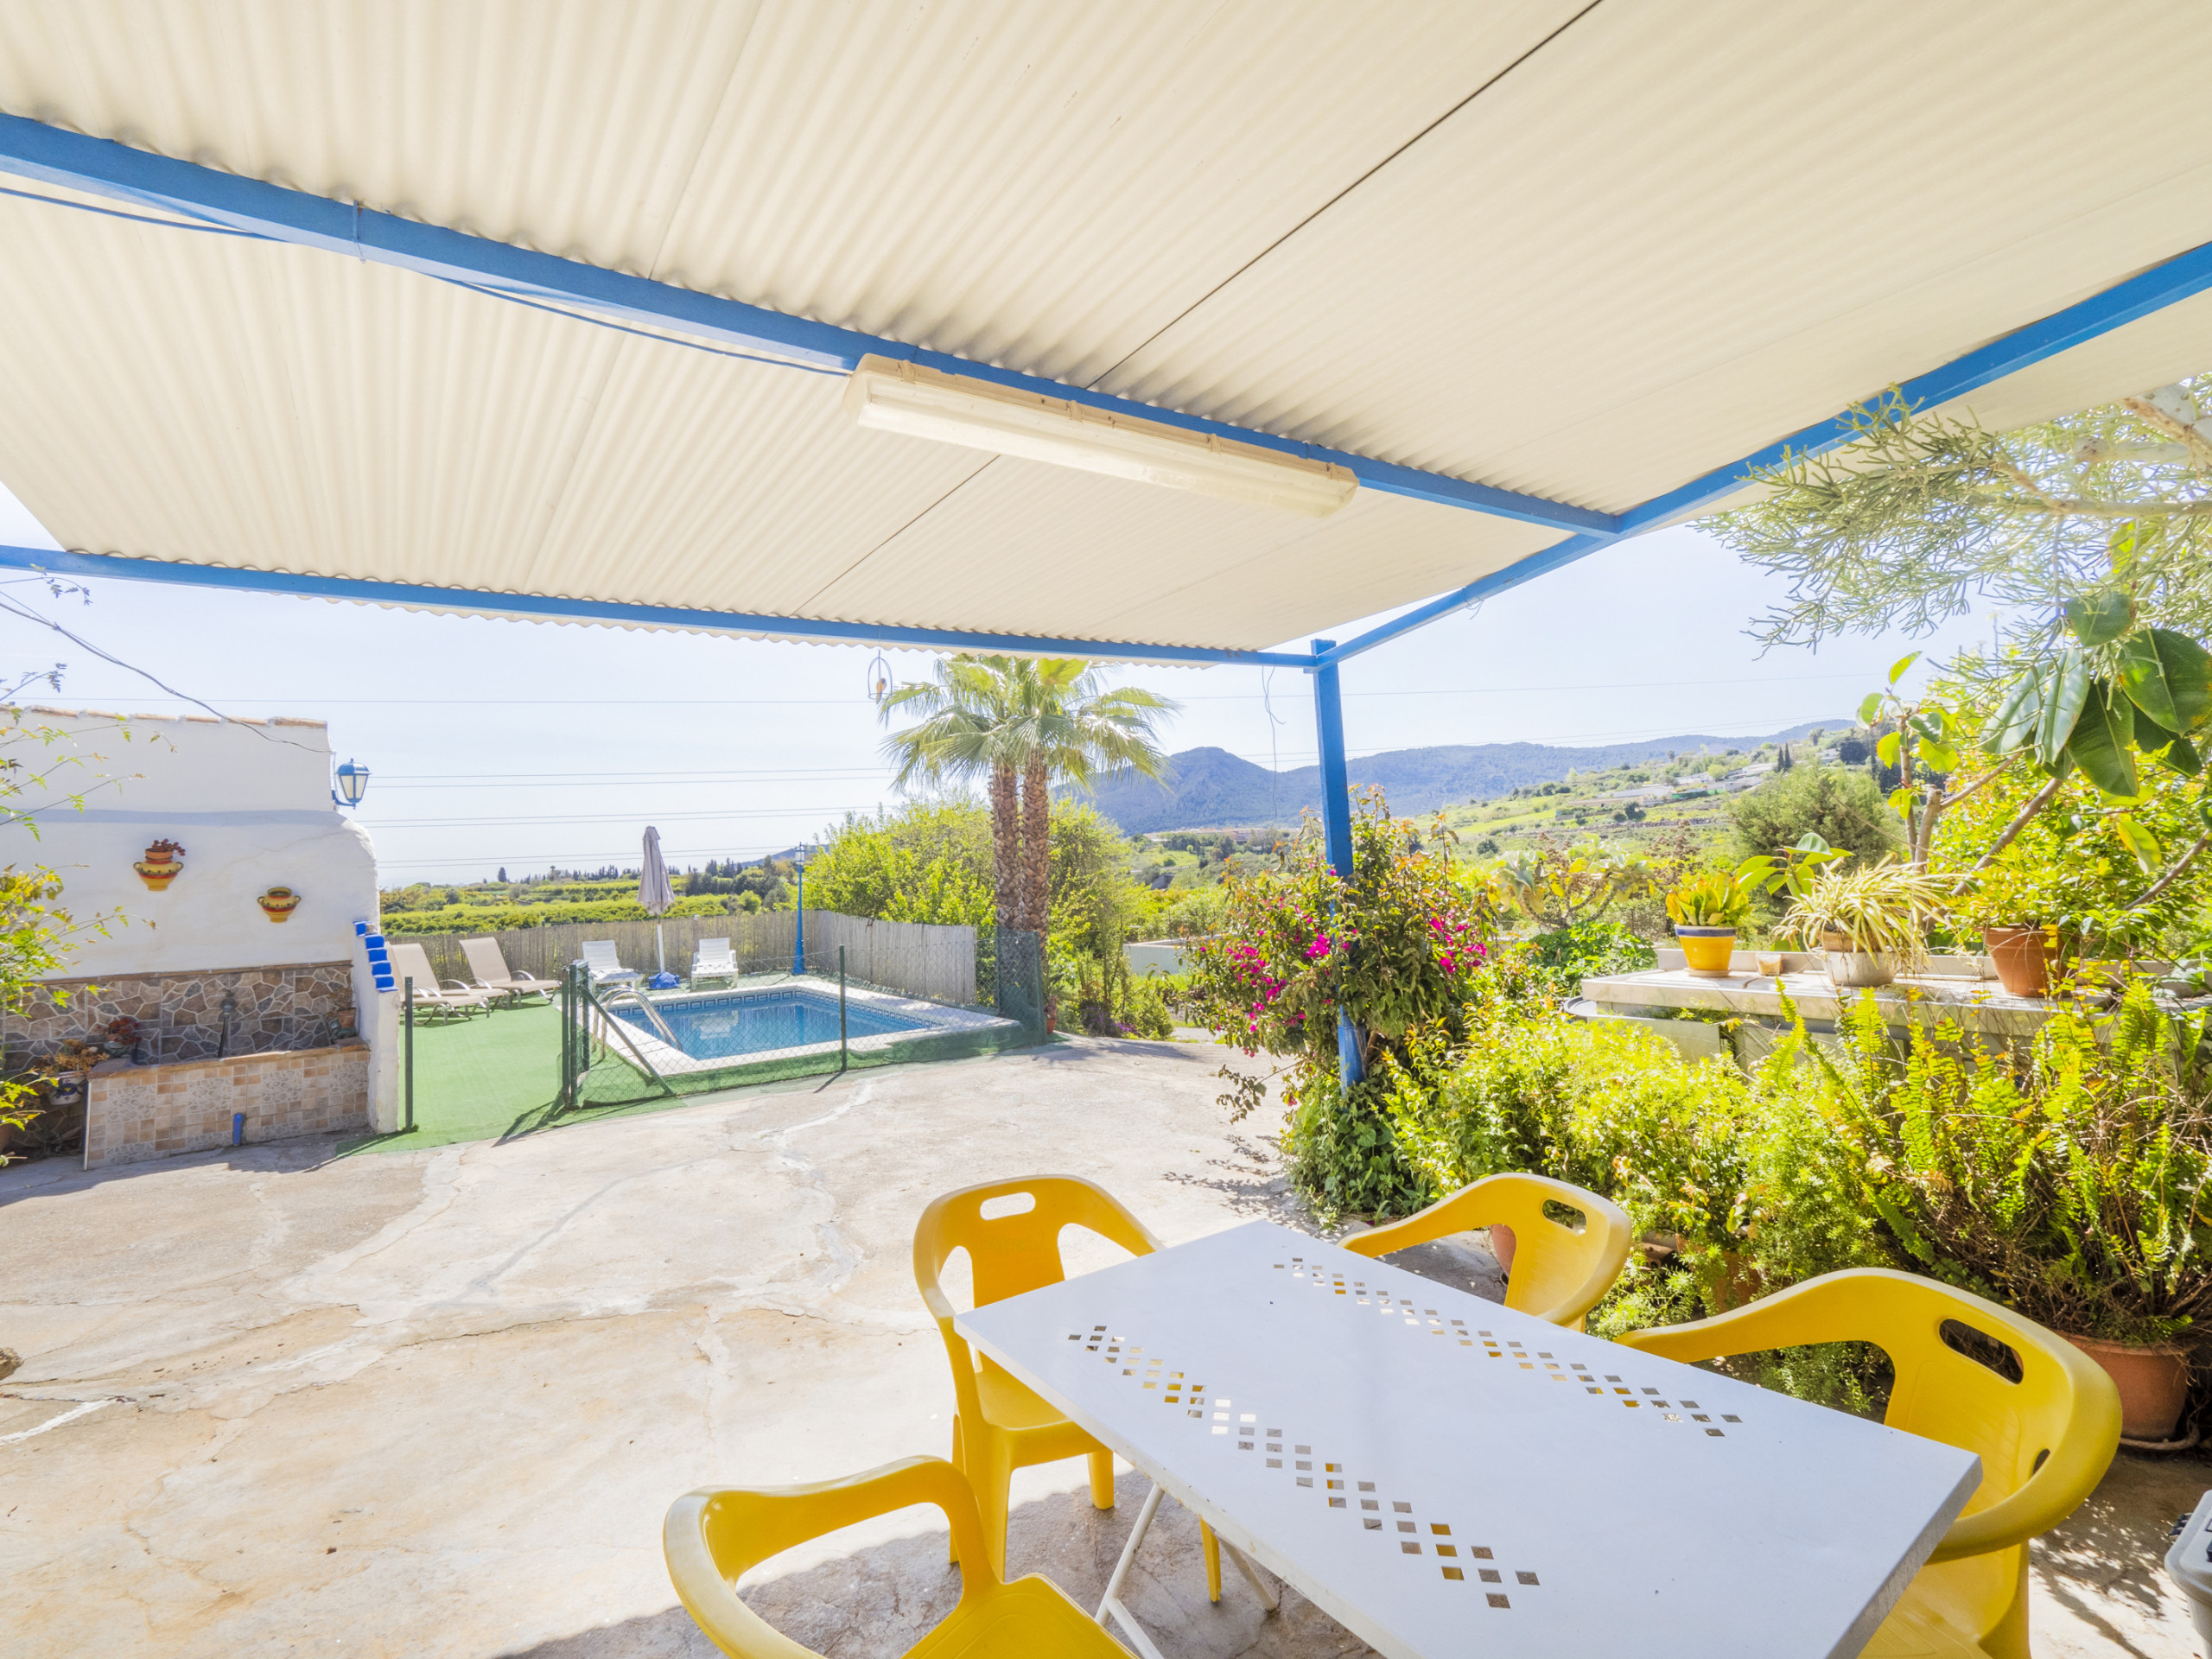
point(493, 1077)
point(497, 1076)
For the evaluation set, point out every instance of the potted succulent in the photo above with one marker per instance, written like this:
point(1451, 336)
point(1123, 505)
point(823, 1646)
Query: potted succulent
point(1706, 909)
point(1869, 922)
point(164, 862)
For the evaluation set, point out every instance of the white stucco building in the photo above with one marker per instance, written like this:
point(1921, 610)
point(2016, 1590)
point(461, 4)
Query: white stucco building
point(249, 947)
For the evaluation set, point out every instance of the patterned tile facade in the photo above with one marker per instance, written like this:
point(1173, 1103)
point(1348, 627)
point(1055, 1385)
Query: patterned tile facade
point(136, 1113)
point(193, 1016)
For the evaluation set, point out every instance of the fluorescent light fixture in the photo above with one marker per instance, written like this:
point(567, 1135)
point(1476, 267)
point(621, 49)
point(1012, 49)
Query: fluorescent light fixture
point(889, 396)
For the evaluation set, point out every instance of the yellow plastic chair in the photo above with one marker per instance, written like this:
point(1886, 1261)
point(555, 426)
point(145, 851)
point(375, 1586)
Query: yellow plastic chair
point(2044, 1441)
point(999, 1426)
point(1560, 1272)
point(714, 1533)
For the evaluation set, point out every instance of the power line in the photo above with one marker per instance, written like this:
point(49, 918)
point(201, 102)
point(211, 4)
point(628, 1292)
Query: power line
point(831, 703)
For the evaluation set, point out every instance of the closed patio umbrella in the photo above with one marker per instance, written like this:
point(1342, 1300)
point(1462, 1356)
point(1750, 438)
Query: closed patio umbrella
point(655, 893)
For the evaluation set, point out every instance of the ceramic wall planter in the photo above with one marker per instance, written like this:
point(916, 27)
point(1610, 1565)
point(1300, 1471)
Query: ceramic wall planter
point(1707, 949)
point(2025, 956)
point(163, 863)
point(278, 903)
point(2153, 1383)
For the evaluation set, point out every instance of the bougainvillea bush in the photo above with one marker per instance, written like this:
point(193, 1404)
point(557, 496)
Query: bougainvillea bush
point(1398, 947)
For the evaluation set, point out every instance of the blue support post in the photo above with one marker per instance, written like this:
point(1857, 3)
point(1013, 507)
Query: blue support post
point(1335, 823)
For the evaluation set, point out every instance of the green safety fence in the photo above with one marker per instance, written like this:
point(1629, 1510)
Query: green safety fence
point(604, 1059)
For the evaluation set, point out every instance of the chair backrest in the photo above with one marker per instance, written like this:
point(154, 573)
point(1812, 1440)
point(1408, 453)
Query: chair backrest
point(2044, 1441)
point(599, 953)
point(1560, 1269)
point(1010, 1252)
point(485, 961)
point(714, 947)
point(413, 962)
point(712, 1535)
point(1949, 1395)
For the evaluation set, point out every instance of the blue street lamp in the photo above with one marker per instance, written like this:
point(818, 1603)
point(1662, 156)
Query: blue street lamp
point(353, 784)
point(799, 949)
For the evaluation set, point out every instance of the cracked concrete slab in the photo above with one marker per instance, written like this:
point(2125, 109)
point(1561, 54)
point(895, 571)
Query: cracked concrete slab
point(273, 1402)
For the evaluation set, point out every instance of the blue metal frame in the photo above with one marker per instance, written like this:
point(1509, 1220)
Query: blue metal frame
point(2183, 277)
point(250, 207)
point(1336, 820)
point(546, 609)
point(34, 150)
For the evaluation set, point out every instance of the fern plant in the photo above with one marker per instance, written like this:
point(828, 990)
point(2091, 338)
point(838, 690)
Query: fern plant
point(2071, 1183)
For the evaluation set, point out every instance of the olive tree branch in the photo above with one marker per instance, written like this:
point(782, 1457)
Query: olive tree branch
point(2039, 800)
point(2180, 865)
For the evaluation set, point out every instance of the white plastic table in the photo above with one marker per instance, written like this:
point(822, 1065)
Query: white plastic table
point(1444, 1476)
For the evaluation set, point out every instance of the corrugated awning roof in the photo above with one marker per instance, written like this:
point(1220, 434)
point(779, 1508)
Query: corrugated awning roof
point(1582, 253)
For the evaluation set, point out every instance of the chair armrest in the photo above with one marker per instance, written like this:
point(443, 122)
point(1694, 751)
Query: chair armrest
point(1392, 1235)
point(966, 1398)
point(1781, 1320)
point(752, 1524)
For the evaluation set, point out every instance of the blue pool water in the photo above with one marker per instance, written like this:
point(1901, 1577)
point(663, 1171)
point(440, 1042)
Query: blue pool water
point(752, 1022)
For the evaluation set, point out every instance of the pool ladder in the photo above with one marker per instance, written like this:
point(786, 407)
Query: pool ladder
point(652, 1014)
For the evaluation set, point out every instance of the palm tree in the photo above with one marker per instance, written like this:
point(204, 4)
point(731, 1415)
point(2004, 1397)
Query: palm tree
point(1022, 723)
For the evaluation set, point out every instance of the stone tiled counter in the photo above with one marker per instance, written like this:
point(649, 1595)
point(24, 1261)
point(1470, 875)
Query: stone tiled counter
point(1978, 1007)
point(136, 1113)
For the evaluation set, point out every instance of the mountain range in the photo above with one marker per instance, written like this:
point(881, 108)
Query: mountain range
point(1209, 788)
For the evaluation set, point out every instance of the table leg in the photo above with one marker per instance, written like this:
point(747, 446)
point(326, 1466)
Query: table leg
point(1251, 1574)
point(1111, 1602)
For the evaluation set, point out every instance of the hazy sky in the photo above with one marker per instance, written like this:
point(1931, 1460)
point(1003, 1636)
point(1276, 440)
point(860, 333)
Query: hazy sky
point(525, 745)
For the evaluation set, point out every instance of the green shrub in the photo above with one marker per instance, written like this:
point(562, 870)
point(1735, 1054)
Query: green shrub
point(1573, 953)
point(1841, 805)
point(2069, 1183)
point(1396, 948)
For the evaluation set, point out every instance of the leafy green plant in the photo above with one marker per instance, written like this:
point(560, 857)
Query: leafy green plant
point(1571, 954)
point(2070, 1185)
point(1711, 899)
point(1884, 908)
point(1838, 805)
point(1557, 887)
point(1792, 870)
point(1397, 947)
point(2072, 864)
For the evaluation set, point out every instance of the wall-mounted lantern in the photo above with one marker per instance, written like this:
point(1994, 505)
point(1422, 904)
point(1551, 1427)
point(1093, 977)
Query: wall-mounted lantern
point(353, 784)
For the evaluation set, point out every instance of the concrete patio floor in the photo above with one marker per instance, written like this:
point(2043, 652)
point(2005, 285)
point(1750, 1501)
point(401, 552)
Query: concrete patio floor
point(435, 1403)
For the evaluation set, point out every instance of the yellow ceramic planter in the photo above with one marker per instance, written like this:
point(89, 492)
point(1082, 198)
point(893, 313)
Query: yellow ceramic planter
point(1707, 948)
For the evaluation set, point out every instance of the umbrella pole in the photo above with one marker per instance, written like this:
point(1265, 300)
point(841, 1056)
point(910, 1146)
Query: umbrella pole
point(660, 946)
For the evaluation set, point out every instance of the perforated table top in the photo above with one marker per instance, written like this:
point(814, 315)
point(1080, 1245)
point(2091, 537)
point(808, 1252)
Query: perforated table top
point(1444, 1476)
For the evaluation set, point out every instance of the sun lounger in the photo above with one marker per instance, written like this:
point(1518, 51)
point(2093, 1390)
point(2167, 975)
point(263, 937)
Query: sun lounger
point(713, 959)
point(490, 967)
point(443, 1001)
point(606, 968)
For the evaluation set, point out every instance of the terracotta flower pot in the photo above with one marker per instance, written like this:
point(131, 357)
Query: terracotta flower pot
point(2025, 956)
point(2153, 1383)
point(1707, 949)
point(1502, 1247)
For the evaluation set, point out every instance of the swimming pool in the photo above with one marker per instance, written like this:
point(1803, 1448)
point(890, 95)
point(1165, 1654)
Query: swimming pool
point(738, 1023)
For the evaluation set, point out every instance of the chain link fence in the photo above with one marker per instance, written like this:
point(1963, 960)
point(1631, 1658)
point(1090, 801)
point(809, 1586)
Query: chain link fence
point(859, 1002)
